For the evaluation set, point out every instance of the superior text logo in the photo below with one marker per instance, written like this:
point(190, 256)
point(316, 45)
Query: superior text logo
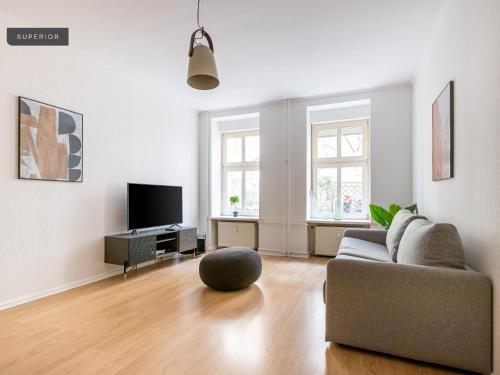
point(38, 36)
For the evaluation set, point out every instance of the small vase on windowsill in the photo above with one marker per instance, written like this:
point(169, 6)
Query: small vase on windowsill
point(235, 213)
point(338, 213)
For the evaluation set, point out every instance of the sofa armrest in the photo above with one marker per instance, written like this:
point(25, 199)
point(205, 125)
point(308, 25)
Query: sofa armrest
point(431, 314)
point(372, 235)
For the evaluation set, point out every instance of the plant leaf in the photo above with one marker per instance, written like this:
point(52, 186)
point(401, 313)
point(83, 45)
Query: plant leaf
point(393, 209)
point(413, 208)
point(381, 216)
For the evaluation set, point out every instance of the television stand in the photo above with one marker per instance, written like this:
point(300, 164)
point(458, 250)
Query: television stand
point(131, 249)
point(173, 226)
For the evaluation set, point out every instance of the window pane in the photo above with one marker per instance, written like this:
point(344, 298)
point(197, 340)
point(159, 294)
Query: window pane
point(327, 143)
point(352, 189)
point(233, 187)
point(326, 190)
point(252, 190)
point(252, 148)
point(352, 141)
point(233, 149)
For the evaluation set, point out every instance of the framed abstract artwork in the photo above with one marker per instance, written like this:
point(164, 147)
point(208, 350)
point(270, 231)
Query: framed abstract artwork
point(50, 142)
point(442, 134)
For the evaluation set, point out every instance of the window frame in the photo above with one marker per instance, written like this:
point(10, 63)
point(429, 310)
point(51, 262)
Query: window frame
point(340, 162)
point(243, 166)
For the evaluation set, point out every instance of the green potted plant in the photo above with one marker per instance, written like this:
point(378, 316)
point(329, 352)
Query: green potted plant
point(384, 217)
point(234, 200)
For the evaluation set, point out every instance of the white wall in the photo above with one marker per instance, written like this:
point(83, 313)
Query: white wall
point(465, 48)
point(236, 124)
point(53, 232)
point(340, 111)
point(284, 161)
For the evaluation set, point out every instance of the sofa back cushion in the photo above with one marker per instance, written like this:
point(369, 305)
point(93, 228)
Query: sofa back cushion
point(430, 244)
point(398, 226)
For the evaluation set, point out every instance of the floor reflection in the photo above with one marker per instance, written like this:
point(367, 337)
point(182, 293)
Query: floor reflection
point(230, 305)
point(242, 341)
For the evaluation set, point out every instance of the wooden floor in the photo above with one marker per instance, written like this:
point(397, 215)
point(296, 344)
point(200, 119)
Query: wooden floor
point(163, 320)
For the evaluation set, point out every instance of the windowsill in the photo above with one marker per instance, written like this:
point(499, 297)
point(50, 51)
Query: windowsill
point(343, 222)
point(238, 218)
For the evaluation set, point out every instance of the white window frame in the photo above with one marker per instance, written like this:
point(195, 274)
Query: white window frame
point(339, 162)
point(243, 166)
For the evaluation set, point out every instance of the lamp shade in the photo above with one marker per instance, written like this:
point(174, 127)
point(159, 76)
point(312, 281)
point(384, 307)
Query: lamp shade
point(202, 71)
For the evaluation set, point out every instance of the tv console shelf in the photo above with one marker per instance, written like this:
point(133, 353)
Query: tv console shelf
point(130, 249)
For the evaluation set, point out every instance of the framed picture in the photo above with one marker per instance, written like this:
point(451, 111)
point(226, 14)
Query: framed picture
point(50, 142)
point(442, 135)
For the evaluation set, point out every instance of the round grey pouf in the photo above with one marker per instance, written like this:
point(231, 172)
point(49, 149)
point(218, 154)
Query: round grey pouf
point(230, 269)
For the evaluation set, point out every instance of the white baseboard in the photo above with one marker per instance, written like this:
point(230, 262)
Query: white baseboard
point(58, 289)
point(282, 254)
point(299, 255)
point(271, 252)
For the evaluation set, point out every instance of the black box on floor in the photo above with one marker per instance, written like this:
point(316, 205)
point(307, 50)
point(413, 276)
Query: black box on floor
point(201, 245)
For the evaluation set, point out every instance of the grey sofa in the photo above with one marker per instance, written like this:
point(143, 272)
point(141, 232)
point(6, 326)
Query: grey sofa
point(410, 296)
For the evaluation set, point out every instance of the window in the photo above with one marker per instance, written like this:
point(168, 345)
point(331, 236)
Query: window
point(240, 171)
point(340, 169)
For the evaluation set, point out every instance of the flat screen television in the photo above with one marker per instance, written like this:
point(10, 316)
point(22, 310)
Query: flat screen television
point(153, 205)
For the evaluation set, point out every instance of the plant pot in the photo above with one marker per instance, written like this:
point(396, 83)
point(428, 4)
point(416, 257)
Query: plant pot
point(235, 213)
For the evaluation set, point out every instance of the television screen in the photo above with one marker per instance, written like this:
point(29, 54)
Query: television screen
point(153, 205)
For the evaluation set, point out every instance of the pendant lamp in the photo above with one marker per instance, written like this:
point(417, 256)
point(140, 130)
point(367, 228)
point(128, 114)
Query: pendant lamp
point(202, 70)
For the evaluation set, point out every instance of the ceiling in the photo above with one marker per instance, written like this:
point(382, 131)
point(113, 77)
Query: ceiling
point(265, 50)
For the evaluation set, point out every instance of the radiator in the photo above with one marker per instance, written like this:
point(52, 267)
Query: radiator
point(236, 234)
point(327, 239)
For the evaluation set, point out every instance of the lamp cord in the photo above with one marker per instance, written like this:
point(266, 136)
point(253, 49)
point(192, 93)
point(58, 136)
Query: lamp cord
point(198, 15)
point(200, 28)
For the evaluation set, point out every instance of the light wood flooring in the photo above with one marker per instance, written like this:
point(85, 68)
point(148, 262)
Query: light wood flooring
point(163, 320)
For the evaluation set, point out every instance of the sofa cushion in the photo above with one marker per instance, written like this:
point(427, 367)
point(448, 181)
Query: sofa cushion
point(364, 249)
point(398, 226)
point(350, 257)
point(431, 244)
